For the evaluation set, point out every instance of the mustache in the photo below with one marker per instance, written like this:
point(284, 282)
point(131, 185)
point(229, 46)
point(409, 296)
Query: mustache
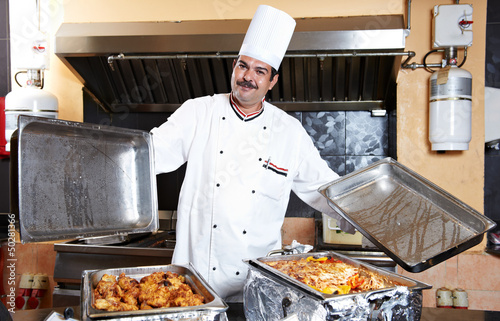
point(245, 83)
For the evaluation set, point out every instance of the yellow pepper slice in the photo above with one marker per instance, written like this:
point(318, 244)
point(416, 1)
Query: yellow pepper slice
point(342, 289)
point(328, 290)
point(321, 259)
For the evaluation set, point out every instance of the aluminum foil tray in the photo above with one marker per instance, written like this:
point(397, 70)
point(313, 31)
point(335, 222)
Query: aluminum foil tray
point(213, 309)
point(271, 295)
point(73, 180)
point(412, 220)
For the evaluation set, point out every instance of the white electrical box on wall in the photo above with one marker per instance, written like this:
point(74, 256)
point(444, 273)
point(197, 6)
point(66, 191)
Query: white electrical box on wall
point(32, 51)
point(452, 26)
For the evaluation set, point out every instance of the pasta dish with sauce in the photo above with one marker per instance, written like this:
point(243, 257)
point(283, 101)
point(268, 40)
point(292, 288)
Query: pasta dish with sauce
point(331, 276)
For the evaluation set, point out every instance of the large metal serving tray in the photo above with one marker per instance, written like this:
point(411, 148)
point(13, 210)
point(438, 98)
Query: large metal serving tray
point(74, 180)
point(211, 310)
point(270, 294)
point(412, 220)
point(286, 280)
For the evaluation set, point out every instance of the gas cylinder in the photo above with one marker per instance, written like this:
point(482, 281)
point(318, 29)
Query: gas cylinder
point(29, 100)
point(450, 103)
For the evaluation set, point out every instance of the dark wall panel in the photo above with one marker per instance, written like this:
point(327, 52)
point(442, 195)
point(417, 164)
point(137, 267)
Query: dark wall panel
point(5, 87)
point(492, 79)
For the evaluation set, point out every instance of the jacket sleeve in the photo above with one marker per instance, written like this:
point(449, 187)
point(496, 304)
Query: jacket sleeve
point(313, 172)
point(173, 139)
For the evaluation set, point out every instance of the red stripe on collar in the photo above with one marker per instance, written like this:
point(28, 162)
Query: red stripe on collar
point(241, 114)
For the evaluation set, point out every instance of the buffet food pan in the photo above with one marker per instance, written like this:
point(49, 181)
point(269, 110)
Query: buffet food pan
point(288, 281)
point(415, 222)
point(76, 180)
point(213, 308)
point(271, 294)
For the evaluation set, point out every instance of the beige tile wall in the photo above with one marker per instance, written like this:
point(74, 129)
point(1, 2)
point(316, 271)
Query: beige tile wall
point(30, 258)
point(478, 274)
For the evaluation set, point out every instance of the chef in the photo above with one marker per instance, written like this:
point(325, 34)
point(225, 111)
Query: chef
point(243, 156)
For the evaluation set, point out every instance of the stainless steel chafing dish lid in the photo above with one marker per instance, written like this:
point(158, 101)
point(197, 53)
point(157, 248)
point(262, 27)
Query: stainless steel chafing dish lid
point(412, 220)
point(75, 180)
point(211, 310)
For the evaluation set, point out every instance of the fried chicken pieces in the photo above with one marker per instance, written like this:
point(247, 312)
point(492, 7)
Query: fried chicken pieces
point(157, 290)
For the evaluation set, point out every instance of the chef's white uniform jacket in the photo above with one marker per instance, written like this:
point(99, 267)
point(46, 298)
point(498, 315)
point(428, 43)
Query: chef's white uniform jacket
point(237, 184)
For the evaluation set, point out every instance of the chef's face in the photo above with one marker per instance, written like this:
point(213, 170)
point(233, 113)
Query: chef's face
point(250, 81)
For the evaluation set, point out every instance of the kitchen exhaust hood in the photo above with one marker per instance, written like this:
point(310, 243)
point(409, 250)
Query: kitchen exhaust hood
point(347, 63)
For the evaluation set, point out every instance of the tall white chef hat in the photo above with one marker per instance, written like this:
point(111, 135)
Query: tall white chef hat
point(268, 35)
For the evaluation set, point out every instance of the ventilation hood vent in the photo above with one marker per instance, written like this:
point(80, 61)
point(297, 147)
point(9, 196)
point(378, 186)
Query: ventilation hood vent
point(346, 63)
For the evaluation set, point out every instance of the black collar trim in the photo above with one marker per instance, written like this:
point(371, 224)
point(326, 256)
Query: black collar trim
point(241, 115)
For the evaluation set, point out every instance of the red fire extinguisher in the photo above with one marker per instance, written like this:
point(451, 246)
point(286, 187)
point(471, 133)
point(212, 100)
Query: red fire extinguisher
point(3, 140)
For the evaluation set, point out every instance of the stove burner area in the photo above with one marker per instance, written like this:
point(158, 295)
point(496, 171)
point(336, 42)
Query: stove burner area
point(74, 257)
point(162, 239)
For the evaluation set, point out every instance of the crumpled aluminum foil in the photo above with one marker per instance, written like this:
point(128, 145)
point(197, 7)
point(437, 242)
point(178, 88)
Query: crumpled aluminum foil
point(266, 299)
